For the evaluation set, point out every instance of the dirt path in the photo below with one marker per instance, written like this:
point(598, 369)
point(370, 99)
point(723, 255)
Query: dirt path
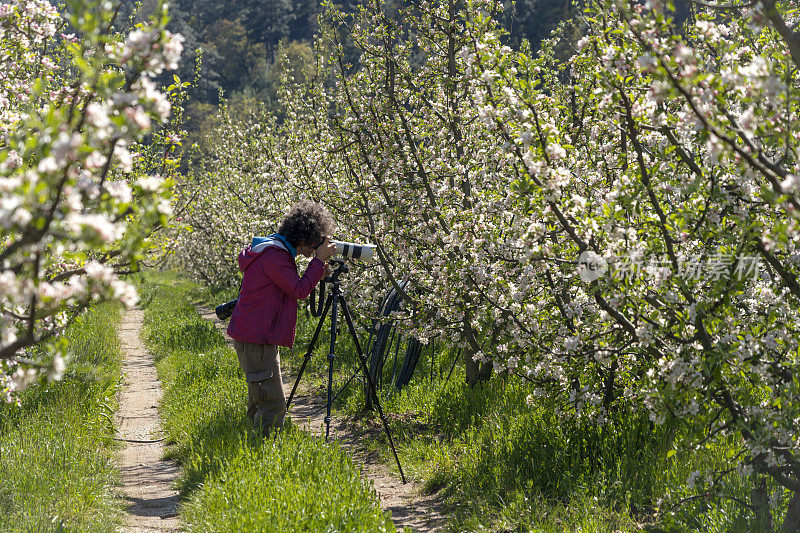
point(408, 505)
point(147, 481)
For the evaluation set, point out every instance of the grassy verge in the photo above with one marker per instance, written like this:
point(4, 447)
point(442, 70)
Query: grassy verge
point(56, 465)
point(503, 465)
point(230, 480)
point(500, 464)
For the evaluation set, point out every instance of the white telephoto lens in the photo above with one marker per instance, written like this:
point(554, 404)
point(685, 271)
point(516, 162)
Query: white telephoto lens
point(363, 252)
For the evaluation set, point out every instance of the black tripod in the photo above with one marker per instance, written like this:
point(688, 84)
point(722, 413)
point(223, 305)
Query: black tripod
point(332, 303)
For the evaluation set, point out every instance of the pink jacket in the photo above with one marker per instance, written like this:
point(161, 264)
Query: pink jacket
point(266, 312)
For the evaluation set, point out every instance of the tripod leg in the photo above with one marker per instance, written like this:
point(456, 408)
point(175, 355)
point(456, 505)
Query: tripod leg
point(334, 315)
point(310, 350)
point(363, 359)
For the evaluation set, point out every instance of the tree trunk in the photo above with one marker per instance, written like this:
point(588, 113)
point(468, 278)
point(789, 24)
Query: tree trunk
point(476, 372)
point(759, 499)
point(791, 522)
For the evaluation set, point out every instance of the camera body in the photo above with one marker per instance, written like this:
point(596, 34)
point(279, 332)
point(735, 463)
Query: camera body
point(224, 311)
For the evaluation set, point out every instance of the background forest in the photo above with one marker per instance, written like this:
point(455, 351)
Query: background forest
point(232, 47)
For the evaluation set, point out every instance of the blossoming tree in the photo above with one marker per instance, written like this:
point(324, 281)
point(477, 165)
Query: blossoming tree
point(674, 152)
point(79, 192)
point(621, 229)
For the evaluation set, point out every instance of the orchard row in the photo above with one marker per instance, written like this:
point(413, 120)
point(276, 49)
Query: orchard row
point(613, 217)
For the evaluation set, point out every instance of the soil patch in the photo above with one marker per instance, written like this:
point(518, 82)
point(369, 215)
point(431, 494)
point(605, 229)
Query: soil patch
point(147, 480)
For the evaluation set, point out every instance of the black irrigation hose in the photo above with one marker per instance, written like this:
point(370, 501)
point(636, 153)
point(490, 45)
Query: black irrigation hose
point(381, 336)
point(413, 352)
point(375, 330)
point(433, 358)
point(396, 352)
point(455, 360)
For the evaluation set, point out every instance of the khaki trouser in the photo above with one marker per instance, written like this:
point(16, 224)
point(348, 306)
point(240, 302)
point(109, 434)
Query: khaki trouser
point(261, 364)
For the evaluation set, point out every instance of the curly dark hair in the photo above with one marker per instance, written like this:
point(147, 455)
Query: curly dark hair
point(306, 223)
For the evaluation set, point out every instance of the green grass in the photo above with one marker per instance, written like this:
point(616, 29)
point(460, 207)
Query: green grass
point(56, 465)
point(497, 463)
point(500, 464)
point(231, 480)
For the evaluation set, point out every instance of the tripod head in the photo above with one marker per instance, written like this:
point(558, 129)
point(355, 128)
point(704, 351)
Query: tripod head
point(339, 267)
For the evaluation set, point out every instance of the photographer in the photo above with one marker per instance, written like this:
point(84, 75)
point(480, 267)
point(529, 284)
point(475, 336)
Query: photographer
point(265, 316)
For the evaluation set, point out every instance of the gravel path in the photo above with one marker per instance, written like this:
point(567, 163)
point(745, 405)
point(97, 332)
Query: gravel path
point(408, 505)
point(147, 480)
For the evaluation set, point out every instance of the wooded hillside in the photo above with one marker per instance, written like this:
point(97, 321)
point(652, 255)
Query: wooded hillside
point(238, 43)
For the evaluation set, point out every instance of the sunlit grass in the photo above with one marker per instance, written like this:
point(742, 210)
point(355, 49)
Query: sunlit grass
point(56, 463)
point(497, 463)
point(231, 480)
point(501, 464)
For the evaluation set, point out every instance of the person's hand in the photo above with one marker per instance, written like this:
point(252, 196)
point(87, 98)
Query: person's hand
point(327, 271)
point(325, 250)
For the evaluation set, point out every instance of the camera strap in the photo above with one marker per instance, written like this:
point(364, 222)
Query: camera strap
point(316, 310)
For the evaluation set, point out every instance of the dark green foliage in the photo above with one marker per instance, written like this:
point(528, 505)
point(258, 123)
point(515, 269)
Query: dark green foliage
point(534, 19)
point(239, 43)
